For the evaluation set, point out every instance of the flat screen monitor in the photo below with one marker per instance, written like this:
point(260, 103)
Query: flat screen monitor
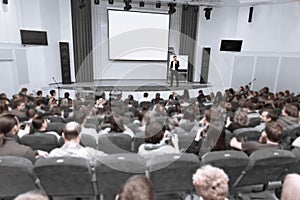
point(32, 37)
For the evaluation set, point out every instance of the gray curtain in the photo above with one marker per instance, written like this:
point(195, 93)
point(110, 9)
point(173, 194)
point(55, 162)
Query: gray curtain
point(189, 23)
point(82, 40)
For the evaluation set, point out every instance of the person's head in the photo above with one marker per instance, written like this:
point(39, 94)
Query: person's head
point(241, 117)
point(9, 124)
point(3, 107)
point(273, 131)
point(290, 110)
point(55, 110)
point(189, 114)
point(291, 187)
point(53, 93)
point(268, 115)
point(39, 93)
point(207, 116)
point(174, 57)
point(154, 132)
point(21, 105)
point(32, 195)
point(146, 95)
point(136, 188)
point(31, 113)
point(72, 132)
point(211, 183)
point(66, 95)
point(200, 92)
point(39, 123)
point(24, 91)
point(115, 121)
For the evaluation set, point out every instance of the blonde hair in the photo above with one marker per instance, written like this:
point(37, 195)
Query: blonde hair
point(291, 187)
point(211, 183)
point(241, 117)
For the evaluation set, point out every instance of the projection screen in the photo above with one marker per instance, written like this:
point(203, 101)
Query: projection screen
point(138, 35)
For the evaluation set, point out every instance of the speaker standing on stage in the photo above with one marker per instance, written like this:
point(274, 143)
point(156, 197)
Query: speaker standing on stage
point(174, 70)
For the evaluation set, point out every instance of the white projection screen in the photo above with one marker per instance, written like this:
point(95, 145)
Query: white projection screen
point(138, 35)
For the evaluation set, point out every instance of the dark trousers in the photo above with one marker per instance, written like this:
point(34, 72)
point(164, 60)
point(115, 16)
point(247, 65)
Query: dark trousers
point(176, 74)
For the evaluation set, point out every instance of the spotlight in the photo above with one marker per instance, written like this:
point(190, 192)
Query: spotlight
point(142, 3)
point(111, 1)
point(127, 6)
point(82, 4)
point(5, 1)
point(207, 13)
point(158, 4)
point(172, 8)
point(97, 2)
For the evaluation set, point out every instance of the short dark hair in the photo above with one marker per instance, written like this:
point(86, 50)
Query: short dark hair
point(154, 132)
point(146, 94)
point(274, 131)
point(52, 92)
point(39, 92)
point(38, 122)
point(7, 123)
point(31, 112)
point(291, 110)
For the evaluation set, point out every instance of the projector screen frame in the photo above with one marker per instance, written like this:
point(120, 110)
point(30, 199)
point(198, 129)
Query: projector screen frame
point(138, 11)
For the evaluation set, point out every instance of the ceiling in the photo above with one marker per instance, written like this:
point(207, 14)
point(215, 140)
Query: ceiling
point(218, 3)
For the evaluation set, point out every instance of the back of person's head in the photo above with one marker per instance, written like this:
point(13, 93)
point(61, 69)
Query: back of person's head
point(241, 117)
point(291, 110)
point(71, 131)
point(291, 187)
point(274, 131)
point(189, 114)
point(137, 187)
point(146, 95)
point(39, 93)
point(52, 92)
point(32, 195)
point(38, 122)
point(211, 183)
point(55, 110)
point(154, 132)
point(3, 107)
point(31, 113)
point(7, 123)
point(66, 94)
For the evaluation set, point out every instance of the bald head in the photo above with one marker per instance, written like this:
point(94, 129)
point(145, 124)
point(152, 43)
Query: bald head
point(72, 131)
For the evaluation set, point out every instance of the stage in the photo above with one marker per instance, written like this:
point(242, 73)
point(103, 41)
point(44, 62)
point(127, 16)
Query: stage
point(134, 87)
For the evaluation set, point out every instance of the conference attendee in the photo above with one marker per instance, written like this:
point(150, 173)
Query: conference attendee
point(26, 127)
point(19, 111)
point(174, 67)
point(137, 187)
point(157, 99)
point(266, 115)
point(32, 195)
point(39, 96)
point(67, 101)
point(52, 99)
point(273, 133)
point(72, 147)
point(290, 114)
point(40, 107)
point(158, 141)
point(211, 183)
point(9, 145)
point(40, 125)
point(291, 187)
point(240, 120)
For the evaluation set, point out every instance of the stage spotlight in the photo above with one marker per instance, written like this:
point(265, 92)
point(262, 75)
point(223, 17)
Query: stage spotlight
point(127, 6)
point(82, 4)
point(172, 8)
point(142, 3)
point(97, 2)
point(111, 1)
point(158, 4)
point(207, 13)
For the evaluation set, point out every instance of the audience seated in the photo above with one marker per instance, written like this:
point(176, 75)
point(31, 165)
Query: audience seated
point(266, 115)
point(9, 145)
point(270, 139)
point(19, 111)
point(158, 141)
point(211, 183)
point(136, 188)
point(40, 125)
point(72, 147)
point(240, 120)
point(290, 114)
point(291, 187)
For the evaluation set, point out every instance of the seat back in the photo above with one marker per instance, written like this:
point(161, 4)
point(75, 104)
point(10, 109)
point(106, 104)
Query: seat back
point(113, 170)
point(246, 134)
point(138, 140)
point(232, 162)
point(114, 143)
point(172, 173)
point(289, 135)
point(40, 141)
point(187, 126)
point(57, 127)
point(16, 176)
point(185, 140)
point(65, 176)
point(296, 167)
point(265, 166)
point(88, 141)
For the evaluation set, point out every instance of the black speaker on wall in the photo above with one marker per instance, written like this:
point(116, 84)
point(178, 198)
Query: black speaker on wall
point(5, 1)
point(231, 45)
point(250, 14)
point(205, 65)
point(65, 62)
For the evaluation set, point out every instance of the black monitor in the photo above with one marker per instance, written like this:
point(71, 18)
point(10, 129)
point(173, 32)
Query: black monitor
point(231, 45)
point(32, 37)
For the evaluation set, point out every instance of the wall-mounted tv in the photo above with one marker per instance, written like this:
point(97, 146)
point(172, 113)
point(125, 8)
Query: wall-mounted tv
point(231, 45)
point(32, 37)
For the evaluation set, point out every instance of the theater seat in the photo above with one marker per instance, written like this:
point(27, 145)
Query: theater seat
point(246, 134)
point(114, 143)
point(232, 162)
point(113, 170)
point(16, 176)
point(289, 135)
point(40, 141)
point(265, 166)
point(88, 141)
point(171, 174)
point(296, 167)
point(57, 127)
point(138, 140)
point(66, 177)
point(185, 140)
